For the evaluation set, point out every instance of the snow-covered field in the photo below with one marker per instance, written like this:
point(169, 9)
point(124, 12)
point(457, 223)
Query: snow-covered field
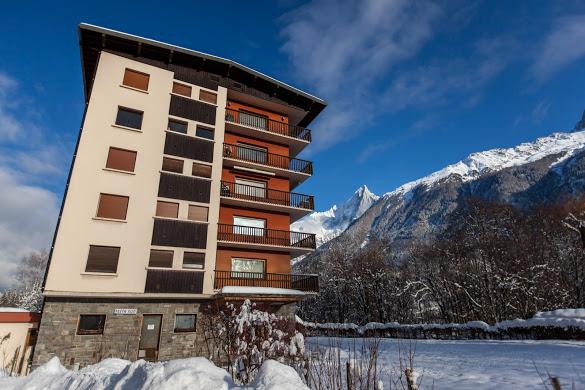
point(473, 364)
point(193, 373)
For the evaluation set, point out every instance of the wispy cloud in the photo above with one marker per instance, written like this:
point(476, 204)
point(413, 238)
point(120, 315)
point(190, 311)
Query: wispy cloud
point(540, 111)
point(341, 49)
point(29, 158)
point(562, 46)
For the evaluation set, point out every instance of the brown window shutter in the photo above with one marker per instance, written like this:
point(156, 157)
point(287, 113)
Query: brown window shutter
point(160, 258)
point(194, 260)
point(102, 259)
point(201, 170)
point(112, 206)
point(167, 209)
point(207, 96)
point(172, 165)
point(121, 159)
point(197, 213)
point(182, 89)
point(135, 79)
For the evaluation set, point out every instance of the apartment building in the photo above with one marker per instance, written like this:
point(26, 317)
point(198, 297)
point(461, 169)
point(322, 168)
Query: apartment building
point(180, 194)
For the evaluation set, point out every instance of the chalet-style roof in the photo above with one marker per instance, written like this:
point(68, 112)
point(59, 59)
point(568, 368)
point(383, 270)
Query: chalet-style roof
point(210, 71)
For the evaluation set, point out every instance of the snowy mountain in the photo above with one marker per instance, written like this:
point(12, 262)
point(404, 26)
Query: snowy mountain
point(532, 173)
point(329, 224)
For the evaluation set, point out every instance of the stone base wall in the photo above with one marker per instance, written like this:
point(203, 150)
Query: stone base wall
point(120, 339)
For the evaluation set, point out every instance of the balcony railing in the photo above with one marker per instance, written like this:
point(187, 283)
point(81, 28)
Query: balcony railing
point(263, 123)
point(260, 156)
point(254, 235)
point(266, 195)
point(173, 281)
point(306, 283)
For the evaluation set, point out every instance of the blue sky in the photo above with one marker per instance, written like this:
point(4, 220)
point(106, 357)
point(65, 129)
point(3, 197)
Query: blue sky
point(412, 85)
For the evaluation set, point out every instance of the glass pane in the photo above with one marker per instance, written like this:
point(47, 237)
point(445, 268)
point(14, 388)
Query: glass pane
point(91, 324)
point(129, 118)
point(178, 126)
point(247, 268)
point(194, 260)
point(160, 258)
point(185, 322)
point(204, 132)
point(249, 226)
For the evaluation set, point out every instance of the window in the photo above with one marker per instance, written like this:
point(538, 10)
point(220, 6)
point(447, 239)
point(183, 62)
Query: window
point(135, 79)
point(252, 188)
point(247, 268)
point(182, 89)
point(253, 120)
point(252, 153)
point(102, 259)
point(207, 96)
point(161, 259)
point(197, 213)
point(249, 226)
point(167, 209)
point(185, 322)
point(194, 260)
point(172, 165)
point(204, 132)
point(178, 126)
point(121, 159)
point(201, 170)
point(129, 118)
point(91, 324)
point(112, 206)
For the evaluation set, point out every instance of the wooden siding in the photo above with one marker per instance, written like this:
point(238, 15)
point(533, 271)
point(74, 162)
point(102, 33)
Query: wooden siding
point(188, 147)
point(173, 281)
point(167, 232)
point(192, 109)
point(184, 188)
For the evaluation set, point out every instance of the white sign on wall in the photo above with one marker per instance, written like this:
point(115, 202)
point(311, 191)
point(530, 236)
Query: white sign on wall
point(126, 312)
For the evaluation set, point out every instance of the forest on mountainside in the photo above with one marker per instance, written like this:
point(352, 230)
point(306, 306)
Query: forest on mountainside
point(494, 262)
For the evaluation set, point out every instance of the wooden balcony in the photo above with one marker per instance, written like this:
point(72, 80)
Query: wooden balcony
point(305, 283)
point(171, 281)
point(296, 243)
point(297, 205)
point(296, 170)
point(261, 127)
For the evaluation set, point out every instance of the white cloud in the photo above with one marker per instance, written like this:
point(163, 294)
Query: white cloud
point(10, 126)
point(341, 49)
point(540, 111)
point(563, 45)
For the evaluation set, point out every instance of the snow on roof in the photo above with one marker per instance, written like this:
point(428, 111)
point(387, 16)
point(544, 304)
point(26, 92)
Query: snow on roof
point(259, 290)
point(13, 310)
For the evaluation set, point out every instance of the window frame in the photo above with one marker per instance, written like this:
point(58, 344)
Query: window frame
point(233, 273)
point(121, 150)
point(173, 159)
point(185, 330)
point(102, 194)
point(184, 86)
point(197, 220)
point(205, 128)
point(130, 110)
point(172, 252)
point(191, 267)
point(195, 163)
point(178, 121)
point(209, 93)
point(90, 333)
point(137, 72)
point(177, 204)
point(102, 272)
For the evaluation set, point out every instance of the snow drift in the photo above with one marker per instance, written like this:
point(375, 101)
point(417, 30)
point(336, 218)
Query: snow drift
point(191, 373)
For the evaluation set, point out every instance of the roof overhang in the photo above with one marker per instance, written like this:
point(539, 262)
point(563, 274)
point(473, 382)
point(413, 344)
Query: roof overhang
point(94, 39)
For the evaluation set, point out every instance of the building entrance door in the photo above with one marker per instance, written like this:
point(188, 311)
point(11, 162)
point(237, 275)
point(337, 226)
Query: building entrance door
point(149, 337)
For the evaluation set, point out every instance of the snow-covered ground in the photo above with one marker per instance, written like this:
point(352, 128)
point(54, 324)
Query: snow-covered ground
point(478, 365)
point(193, 373)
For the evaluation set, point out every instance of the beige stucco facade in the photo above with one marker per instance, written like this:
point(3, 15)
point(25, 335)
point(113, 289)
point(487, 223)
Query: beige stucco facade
point(16, 328)
point(79, 227)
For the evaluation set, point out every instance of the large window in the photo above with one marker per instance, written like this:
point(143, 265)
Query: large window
point(185, 322)
point(172, 165)
point(194, 260)
point(253, 120)
point(112, 206)
point(91, 324)
point(167, 209)
point(208, 97)
point(247, 268)
point(135, 79)
point(128, 117)
point(201, 170)
point(204, 132)
point(252, 153)
point(121, 159)
point(160, 258)
point(197, 213)
point(177, 126)
point(182, 89)
point(102, 259)
point(249, 226)
point(252, 188)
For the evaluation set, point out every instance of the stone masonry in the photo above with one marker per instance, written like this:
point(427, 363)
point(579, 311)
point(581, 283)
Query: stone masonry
point(58, 331)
